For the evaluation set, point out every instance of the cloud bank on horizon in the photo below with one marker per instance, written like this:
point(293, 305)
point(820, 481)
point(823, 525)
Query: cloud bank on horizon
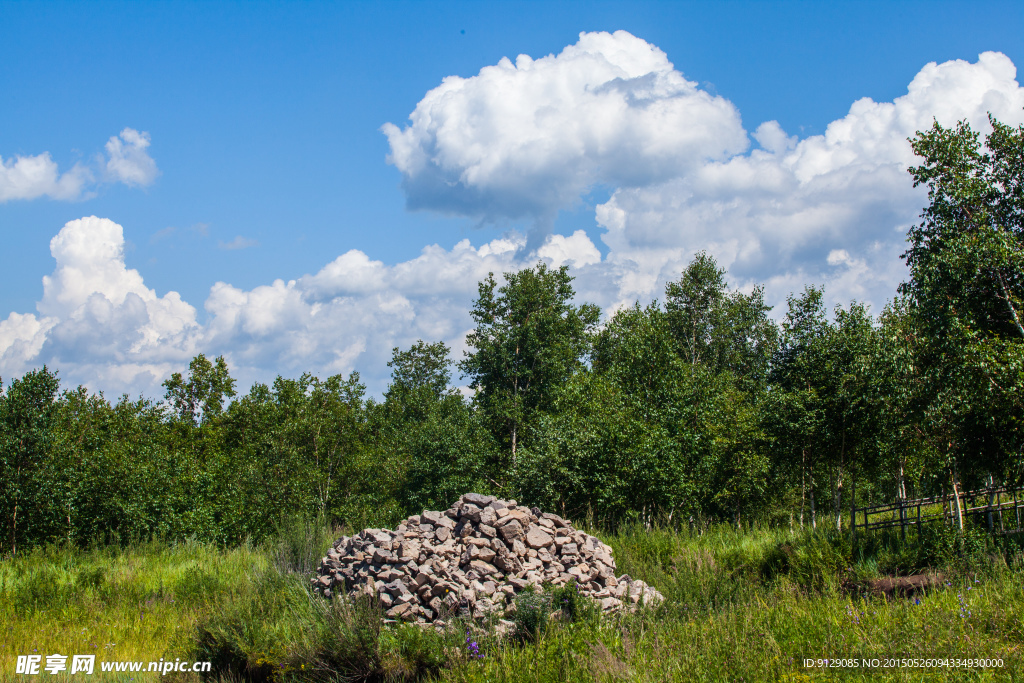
point(32, 177)
point(523, 141)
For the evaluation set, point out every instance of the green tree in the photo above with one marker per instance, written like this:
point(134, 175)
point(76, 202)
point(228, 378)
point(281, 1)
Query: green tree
point(694, 306)
point(966, 294)
point(201, 396)
point(598, 452)
point(796, 413)
point(847, 396)
point(529, 339)
point(434, 437)
point(26, 436)
point(719, 329)
point(296, 447)
point(420, 377)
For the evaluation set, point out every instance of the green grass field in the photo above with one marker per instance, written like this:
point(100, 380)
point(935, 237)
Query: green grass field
point(745, 606)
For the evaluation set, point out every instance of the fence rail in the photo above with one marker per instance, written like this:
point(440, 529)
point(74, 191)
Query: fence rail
point(914, 513)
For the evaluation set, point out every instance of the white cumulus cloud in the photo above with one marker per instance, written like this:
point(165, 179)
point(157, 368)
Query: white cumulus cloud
point(32, 177)
point(38, 176)
point(530, 138)
point(525, 139)
point(790, 213)
point(127, 159)
point(98, 323)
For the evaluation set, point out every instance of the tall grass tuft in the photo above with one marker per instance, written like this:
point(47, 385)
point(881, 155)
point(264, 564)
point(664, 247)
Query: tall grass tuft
point(739, 606)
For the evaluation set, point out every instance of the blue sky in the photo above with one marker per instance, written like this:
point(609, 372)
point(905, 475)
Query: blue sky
point(249, 149)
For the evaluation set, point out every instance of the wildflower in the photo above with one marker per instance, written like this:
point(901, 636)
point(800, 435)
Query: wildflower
point(917, 601)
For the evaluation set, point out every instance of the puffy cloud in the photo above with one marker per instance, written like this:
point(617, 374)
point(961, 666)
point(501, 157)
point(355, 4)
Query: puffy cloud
point(526, 139)
point(98, 323)
point(31, 177)
point(127, 159)
point(829, 209)
point(575, 250)
point(38, 176)
point(21, 339)
point(350, 314)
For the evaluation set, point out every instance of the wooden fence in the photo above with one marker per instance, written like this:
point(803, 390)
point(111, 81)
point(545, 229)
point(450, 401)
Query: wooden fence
point(1002, 508)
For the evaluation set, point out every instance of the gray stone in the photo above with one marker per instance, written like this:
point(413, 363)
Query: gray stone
point(399, 611)
point(488, 516)
point(409, 549)
point(477, 499)
point(470, 512)
point(431, 517)
point(558, 521)
point(512, 531)
point(380, 536)
point(483, 568)
point(434, 565)
point(485, 554)
point(537, 537)
point(382, 556)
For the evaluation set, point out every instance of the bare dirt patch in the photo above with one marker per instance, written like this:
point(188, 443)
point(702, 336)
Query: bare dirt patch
point(892, 587)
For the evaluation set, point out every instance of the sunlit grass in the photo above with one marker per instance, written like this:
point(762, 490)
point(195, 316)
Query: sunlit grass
point(139, 603)
point(739, 606)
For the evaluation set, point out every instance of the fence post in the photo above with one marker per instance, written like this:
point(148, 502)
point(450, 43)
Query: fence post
point(943, 503)
point(918, 522)
point(1016, 510)
point(988, 505)
point(999, 507)
point(903, 523)
point(853, 506)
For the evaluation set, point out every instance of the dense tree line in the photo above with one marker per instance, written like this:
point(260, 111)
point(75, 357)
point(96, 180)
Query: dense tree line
point(700, 408)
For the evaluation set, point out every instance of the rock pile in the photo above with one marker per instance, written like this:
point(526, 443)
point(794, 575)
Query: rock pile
point(473, 559)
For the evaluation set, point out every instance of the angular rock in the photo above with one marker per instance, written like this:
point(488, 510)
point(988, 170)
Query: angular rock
point(399, 611)
point(537, 537)
point(512, 531)
point(558, 521)
point(470, 512)
point(477, 499)
point(483, 568)
point(409, 549)
point(488, 516)
point(472, 559)
point(429, 517)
